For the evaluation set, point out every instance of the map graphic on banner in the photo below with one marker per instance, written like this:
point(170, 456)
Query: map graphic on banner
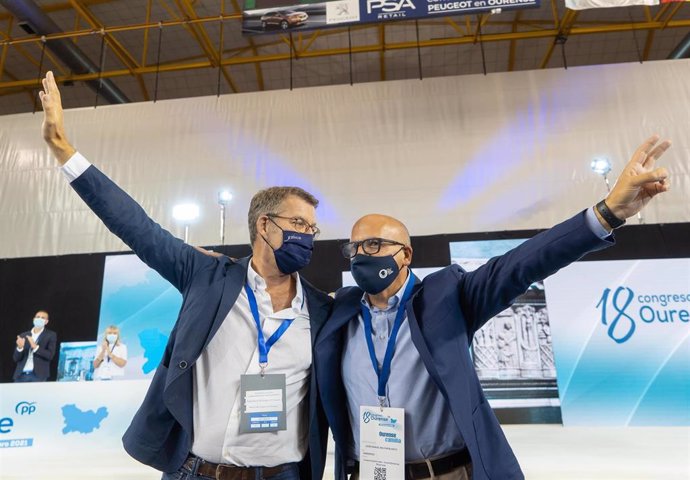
point(144, 306)
point(622, 342)
point(270, 16)
point(80, 421)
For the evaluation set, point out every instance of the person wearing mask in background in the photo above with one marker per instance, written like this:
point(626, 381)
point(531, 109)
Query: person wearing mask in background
point(111, 356)
point(35, 350)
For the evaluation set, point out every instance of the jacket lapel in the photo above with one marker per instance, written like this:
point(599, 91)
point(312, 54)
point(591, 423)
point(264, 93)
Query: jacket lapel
point(235, 278)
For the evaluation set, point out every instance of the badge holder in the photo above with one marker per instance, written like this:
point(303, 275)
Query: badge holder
point(263, 402)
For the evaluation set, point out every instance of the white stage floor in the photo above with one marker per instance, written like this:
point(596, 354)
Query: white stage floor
point(544, 451)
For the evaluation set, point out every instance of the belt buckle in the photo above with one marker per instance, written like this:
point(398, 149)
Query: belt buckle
point(229, 472)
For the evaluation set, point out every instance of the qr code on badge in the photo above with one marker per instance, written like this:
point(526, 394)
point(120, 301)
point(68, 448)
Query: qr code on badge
point(380, 473)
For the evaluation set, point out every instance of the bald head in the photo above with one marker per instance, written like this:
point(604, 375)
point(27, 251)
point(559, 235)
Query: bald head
point(380, 226)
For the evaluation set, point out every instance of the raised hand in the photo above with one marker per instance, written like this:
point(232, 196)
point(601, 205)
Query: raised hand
point(53, 122)
point(21, 341)
point(640, 180)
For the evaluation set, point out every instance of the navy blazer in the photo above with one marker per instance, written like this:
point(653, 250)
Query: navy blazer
point(161, 432)
point(47, 343)
point(446, 309)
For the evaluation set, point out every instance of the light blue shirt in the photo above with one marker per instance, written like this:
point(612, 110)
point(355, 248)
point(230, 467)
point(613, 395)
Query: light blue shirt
point(430, 429)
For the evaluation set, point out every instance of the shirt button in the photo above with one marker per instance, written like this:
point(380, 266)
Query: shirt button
point(182, 364)
point(382, 337)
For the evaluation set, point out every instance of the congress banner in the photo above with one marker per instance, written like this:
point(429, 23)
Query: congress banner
point(270, 16)
point(621, 335)
point(47, 430)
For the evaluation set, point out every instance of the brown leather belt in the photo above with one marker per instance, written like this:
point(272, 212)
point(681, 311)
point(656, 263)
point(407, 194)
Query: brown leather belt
point(231, 472)
point(440, 466)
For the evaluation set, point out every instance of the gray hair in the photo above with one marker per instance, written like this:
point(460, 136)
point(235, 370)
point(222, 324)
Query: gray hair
point(268, 200)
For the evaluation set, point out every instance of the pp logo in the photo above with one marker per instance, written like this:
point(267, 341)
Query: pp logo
point(384, 272)
point(25, 408)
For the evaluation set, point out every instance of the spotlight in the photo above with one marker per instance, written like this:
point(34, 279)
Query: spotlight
point(186, 213)
point(224, 199)
point(601, 166)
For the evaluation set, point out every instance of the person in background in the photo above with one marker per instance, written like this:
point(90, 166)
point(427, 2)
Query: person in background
point(35, 350)
point(111, 356)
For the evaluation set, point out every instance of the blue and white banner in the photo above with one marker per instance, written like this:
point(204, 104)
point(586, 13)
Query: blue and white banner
point(144, 306)
point(69, 430)
point(621, 335)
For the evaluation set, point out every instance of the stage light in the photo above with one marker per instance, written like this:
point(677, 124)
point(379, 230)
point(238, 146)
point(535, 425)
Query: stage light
point(186, 213)
point(601, 166)
point(224, 199)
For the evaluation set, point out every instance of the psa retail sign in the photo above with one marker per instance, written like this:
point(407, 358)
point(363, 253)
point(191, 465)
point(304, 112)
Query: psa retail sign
point(622, 310)
point(389, 10)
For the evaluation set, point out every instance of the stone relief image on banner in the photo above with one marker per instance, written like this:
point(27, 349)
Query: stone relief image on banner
point(513, 352)
point(144, 306)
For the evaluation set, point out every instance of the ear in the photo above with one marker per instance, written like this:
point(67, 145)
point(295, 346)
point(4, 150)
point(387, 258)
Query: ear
point(262, 225)
point(407, 259)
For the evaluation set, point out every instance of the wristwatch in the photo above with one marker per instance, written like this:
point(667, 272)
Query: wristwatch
point(607, 214)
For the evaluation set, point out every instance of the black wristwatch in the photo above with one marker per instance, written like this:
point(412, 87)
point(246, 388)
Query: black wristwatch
point(607, 214)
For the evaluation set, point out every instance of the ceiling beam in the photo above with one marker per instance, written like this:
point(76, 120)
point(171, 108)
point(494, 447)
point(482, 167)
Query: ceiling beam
point(199, 33)
point(118, 49)
point(376, 47)
point(565, 29)
point(513, 43)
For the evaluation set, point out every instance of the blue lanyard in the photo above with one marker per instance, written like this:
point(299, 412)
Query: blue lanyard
point(384, 372)
point(264, 345)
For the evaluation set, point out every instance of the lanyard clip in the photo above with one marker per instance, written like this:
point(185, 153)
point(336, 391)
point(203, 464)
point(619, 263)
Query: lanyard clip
point(382, 402)
point(263, 366)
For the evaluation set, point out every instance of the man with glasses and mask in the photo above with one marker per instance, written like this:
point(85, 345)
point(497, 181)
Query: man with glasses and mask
point(234, 396)
point(394, 372)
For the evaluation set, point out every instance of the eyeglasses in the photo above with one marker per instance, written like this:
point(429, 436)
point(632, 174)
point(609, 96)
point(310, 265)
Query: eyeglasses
point(298, 223)
point(370, 246)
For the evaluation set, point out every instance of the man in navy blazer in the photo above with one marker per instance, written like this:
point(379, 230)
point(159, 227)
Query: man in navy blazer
point(397, 342)
point(189, 422)
point(35, 350)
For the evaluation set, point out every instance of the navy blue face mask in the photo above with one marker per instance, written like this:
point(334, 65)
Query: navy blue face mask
point(374, 274)
point(295, 252)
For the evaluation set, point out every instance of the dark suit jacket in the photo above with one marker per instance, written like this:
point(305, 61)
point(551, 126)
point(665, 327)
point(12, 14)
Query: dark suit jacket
point(47, 343)
point(160, 434)
point(446, 309)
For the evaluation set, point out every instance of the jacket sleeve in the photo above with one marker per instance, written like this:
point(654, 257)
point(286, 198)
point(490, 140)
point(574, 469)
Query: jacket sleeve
point(18, 356)
point(159, 249)
point(493, 287)
point(47, 352)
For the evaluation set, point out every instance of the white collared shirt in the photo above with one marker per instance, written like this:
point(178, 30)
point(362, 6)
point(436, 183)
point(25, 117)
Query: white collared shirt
point(29, 365)
point(232, 352)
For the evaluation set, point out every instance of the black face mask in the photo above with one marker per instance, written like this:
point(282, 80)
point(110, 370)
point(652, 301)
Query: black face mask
point(374, 274)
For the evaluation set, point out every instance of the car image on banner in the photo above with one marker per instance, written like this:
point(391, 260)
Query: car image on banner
point(283, 19)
